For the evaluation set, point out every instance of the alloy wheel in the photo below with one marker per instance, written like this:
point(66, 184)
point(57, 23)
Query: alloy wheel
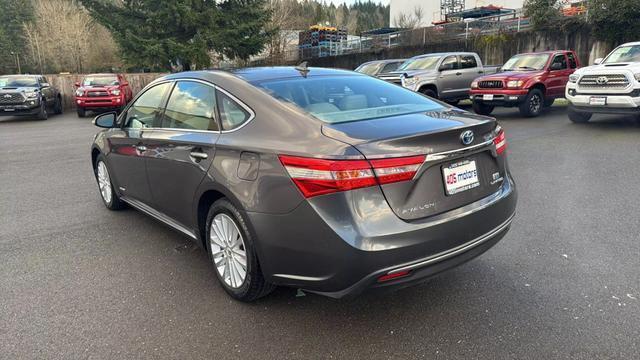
point(535, 103)
point(104, 182)
point(228, 251)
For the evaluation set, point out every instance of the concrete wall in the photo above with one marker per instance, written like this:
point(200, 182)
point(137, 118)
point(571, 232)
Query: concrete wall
point(66, 84)
point(431, 8)
point(493, 49)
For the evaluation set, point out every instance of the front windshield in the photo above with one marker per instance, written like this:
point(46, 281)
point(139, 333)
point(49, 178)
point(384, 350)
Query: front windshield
point(526, 62)
point(18, 81)
point(336, 99)
point(624, 54)
point(100, 81)
point(369, 69)
point(422, 63)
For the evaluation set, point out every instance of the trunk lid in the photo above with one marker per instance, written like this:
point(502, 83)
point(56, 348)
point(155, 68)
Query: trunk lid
point(438, 136)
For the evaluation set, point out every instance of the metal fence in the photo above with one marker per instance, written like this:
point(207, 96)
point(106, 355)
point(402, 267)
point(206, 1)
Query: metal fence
point(468, 29)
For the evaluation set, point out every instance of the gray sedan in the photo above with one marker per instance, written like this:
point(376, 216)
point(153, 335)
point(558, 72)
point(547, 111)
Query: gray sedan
point(326, 180)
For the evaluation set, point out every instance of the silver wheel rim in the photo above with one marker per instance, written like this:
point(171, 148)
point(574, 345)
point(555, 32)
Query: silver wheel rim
point(104, 182)
point(228, 252)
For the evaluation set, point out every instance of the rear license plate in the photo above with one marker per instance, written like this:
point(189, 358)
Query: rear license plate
point(598, 100)
point(461, 176)
point(487, 97)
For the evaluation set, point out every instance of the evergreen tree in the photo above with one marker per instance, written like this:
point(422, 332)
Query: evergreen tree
point(14, 14)
point(159, 34)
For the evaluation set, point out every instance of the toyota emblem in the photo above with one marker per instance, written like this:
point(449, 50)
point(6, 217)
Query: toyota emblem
point(467, 137)
point(602, 80)
point(7, 96)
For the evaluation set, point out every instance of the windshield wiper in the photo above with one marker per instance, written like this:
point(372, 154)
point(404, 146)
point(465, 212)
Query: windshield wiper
point(527, 68)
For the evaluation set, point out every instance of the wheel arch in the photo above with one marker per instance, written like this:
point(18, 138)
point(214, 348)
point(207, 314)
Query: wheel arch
point(205, 197)
point(539, 86)
point(430, 86)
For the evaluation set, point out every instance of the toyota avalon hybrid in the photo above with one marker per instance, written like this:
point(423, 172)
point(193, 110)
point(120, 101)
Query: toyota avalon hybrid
point(325, 180)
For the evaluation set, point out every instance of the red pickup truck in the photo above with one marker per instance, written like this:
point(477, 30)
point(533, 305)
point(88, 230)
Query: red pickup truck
point(102, 92)
point(530, 81)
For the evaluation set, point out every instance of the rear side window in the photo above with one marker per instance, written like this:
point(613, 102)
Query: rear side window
point(468, 62)
point(572, 61)
point(191, 106)
point(232, 114)
point(391, 67)
point(336, 99)
point(146, 110)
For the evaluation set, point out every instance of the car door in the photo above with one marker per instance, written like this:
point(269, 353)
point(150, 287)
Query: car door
point(47, 90)
point(179, 154)
point(127, 156)
point(450, 84)
point(558, 77)
point(470, 70)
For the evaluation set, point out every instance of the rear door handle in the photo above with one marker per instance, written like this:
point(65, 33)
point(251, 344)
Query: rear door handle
point(199, 155)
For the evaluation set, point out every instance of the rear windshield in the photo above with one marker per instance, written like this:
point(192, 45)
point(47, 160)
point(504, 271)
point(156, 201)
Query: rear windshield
point(100, 81)
point(18, 81)
point(336, 99)
point(526, 62)
point(624, 54)
point(423, 63)
point(369, 69)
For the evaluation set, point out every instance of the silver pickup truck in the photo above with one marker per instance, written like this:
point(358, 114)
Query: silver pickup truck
point(445, 76)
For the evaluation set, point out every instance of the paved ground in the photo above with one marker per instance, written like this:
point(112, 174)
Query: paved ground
point(78, 281)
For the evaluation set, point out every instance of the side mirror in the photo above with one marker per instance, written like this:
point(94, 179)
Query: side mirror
point(597, 61)
point(125, 83)
point(77, 84)
point(106, 120)
point(46, 85)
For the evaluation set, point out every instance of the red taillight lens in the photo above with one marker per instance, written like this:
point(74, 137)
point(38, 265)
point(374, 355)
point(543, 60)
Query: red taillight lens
point(389, 277)
point(501, 141)
point(320, 176)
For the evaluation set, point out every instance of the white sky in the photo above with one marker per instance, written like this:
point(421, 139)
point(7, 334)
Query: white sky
point(338, 2)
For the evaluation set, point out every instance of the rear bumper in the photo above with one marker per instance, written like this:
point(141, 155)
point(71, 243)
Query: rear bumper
point(334, 246)
point(21, 109)
point(107, 102)
point(501, 97)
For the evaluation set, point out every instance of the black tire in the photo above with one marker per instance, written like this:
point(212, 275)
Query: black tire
point(579, 117)
point(114, 203)
point(57, 107)
point(549, 102)
point(482, 108)
point(429, 92)
point(254, 286)
point(81, 112)
point(533, 104)
point(43, 114)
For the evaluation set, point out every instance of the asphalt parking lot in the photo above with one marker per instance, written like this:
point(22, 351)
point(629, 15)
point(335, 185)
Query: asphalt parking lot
point(79, 281)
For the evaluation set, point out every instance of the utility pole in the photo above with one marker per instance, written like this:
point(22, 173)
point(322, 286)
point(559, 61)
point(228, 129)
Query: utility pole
point(17, 61)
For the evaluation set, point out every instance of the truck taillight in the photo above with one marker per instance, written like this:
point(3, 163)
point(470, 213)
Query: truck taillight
point(500, 140)
point(321, 176)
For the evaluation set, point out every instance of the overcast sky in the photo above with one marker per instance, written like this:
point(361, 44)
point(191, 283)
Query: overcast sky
point(338, 2)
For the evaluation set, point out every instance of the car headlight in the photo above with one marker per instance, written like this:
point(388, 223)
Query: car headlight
point(573, 78)
point(637, 76)
point(514, 84)
point(409, 81)
point(474, 84)
point(31, 94)
point(79, 92)
point(115, 92)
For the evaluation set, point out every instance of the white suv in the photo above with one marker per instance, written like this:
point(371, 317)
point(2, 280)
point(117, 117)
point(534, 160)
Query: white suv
point(611, 86)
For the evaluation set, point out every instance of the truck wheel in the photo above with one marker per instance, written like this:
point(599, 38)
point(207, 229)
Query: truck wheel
point(579, 117)
point(549, 102)
point(43, 115)
point(482, 108)
point(429, 92)
point(57, 107)
point(81, 112)
point(533, 104)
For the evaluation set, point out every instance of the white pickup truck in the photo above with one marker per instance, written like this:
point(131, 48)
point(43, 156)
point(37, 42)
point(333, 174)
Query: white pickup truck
point(611, 86)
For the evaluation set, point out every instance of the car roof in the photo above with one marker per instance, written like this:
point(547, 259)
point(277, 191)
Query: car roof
point(102, 74)
point(286, 72)
point(630, 43)
point(443, 54)
point(545, 52)
point(383, 61)
point(21, 75)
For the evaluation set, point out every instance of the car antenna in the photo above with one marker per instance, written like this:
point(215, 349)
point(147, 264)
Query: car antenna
point(302, 68)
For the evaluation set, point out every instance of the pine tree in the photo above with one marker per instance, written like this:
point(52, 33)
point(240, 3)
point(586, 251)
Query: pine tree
point(14, 14)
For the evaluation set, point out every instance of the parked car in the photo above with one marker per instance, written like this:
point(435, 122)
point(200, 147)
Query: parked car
point(530, 81)
point(100, 92)
point(377, 67)
point(611, 86)
point(28, 95)
point(445, 76)
point(320, 179)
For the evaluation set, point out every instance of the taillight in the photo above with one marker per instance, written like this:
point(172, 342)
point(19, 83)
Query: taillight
point(500, 140)
point(321, 176)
